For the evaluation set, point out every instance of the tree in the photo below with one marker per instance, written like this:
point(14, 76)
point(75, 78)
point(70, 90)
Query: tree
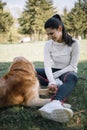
point(6, 20)
point(76, 20)
point(2, 5)
point(34, 15)
point(84, 8)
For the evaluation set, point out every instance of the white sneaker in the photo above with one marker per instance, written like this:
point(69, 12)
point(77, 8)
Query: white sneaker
point(55, 111)
point(66, 105)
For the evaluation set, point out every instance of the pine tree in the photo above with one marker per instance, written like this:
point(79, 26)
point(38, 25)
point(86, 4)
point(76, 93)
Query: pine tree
point(2, 4)
point(76, 20)
point(6, 20)
point(34, 15)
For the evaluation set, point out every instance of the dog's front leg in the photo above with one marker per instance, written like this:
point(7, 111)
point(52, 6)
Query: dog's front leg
point(41, 102)
point(38, 102)
point(44, 92)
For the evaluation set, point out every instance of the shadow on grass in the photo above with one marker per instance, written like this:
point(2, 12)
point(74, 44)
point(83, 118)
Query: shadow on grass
point(23, 118)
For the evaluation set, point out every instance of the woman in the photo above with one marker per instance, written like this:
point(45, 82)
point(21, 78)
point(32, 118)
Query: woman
point(61, 55)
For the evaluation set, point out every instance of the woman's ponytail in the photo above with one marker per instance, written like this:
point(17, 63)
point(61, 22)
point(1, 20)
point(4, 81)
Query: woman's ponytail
point(66, 37)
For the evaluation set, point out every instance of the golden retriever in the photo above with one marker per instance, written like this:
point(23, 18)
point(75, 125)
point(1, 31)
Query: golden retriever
point(21, 86)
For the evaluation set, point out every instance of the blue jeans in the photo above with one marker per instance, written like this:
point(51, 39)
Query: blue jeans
point(69, 80)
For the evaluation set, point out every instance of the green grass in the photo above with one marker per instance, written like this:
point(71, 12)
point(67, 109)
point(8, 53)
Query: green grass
point(22, 118)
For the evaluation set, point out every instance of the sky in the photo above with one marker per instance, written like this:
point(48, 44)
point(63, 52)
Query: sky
point(16, 6)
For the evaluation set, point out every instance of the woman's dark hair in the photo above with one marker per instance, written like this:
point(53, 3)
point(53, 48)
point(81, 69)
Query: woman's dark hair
point(56, 21)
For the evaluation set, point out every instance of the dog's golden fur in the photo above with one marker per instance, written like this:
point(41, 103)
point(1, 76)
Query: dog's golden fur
point(21, 86)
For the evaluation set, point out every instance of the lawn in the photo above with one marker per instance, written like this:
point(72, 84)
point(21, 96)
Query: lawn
point(22, 118)
point(32, 51)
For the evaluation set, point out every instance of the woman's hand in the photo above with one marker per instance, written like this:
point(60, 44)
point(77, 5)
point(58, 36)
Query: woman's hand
point(52, 88)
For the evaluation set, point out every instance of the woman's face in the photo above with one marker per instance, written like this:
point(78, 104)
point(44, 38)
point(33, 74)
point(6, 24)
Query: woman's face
point(55, 34)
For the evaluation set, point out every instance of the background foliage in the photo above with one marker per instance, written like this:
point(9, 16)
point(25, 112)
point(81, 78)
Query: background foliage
point(6, 20)
point(31, 22)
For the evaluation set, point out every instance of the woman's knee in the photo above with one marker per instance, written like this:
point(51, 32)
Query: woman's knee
point(72, 78)
point(40, 71)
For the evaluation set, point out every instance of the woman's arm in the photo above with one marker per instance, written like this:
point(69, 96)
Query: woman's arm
point(73, 62)
point(47, 65)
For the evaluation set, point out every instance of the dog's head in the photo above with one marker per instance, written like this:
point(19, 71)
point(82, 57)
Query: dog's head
point(22, 64)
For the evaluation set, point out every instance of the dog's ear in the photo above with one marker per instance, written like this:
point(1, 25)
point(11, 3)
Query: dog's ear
point(2, 86)
point(2, 82)
point(32, 68)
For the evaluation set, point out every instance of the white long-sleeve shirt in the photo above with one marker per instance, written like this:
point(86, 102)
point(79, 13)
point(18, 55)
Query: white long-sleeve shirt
point(61, 56)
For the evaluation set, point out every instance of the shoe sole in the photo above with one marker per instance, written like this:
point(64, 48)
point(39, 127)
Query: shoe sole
point(58, 115)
